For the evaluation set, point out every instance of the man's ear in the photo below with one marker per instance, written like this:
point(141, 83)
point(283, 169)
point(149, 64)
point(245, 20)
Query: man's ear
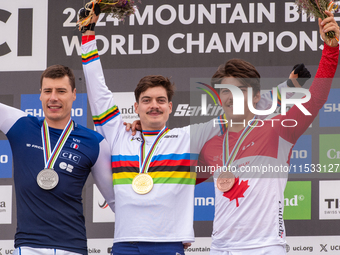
point(74, 94)
point(257, 97)
point(136, 107)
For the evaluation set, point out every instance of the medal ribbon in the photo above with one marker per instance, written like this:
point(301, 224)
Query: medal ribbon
point(50, 158)
point(229, 158)
point(145, 160)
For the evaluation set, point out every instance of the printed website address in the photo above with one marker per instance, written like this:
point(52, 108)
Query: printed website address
point(264, 169)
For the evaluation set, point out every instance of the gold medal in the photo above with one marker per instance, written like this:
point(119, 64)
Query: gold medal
point(142, 184)
point(47, 179)
point(225, 181)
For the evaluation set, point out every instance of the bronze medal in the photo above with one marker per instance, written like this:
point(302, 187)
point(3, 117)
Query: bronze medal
point(225, 181)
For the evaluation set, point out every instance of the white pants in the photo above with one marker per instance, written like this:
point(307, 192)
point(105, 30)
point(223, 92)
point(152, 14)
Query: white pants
point(269, 250)
point(24, 250)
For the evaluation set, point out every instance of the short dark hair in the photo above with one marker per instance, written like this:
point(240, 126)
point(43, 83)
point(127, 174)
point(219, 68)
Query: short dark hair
point(59, 71)
point(241, 69)
point(152, 81)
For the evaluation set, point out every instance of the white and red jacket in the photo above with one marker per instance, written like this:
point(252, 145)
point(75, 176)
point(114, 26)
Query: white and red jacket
point(250, 215)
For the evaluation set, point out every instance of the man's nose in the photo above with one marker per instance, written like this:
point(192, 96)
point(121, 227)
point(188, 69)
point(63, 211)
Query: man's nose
point(154, 104)
point(54, 96)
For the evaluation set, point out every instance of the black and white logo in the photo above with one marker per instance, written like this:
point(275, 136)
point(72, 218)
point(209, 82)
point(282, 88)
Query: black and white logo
point(23, 44)
point(323, 247)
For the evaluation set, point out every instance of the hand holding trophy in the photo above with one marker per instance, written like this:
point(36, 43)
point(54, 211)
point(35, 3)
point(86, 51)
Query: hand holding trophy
point(117, 8)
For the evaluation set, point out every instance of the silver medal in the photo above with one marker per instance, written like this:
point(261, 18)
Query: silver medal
point(47, 179)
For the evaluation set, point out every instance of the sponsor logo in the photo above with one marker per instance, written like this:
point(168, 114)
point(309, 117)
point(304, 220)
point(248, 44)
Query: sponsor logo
point(204, 202)
point(323, 247)
point(187, 110)
point(31, 105)
point(6, 204)
point(34, 146)
point(101, 210)
point(242, 164)
point(23, 51)
point(198, 249)
point(93, 250)
point(125, 101)
point(9, 251)
point(329, 200)
point(76, 140)
point(66, 167)
point(335, 247)
point(329, 153)
point(70, 156)
point(5, 159)
point(297, 200)
point(248, 145)
point(281, 228)
point(139, 139)
point(302, 248)
point(103, 205)
point(301, 154)
point(2, 206)
point(329, 114)
point(333, 154)
point(171, 136)
point(129, 110)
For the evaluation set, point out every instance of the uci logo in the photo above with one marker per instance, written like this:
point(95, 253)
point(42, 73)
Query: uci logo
point(23, 46)
point(136, 138)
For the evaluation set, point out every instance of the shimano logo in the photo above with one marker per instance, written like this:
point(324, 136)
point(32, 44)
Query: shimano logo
point(332, 108)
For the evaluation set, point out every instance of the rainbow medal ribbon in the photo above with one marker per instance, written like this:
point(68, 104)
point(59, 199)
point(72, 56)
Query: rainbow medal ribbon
point(47, 178)
point(226, 179)
point(143, 182)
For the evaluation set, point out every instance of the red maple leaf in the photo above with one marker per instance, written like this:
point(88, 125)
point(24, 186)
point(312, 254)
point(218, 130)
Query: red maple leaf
point(237, 190)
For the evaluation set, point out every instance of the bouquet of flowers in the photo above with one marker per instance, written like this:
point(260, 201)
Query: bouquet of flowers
point(317, 9)
point(117, 8)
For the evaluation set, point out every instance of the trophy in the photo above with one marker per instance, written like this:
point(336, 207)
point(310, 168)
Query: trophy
point(317, 9)
point(116, 8)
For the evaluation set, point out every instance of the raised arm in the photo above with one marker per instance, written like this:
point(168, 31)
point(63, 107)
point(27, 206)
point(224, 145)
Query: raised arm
point(297, 78)
point(321, 85)
point(106, 115)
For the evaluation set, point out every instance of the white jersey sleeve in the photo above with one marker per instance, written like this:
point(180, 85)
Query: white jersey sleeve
point(9, 115)
point(202, 132)
point(106, 115)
